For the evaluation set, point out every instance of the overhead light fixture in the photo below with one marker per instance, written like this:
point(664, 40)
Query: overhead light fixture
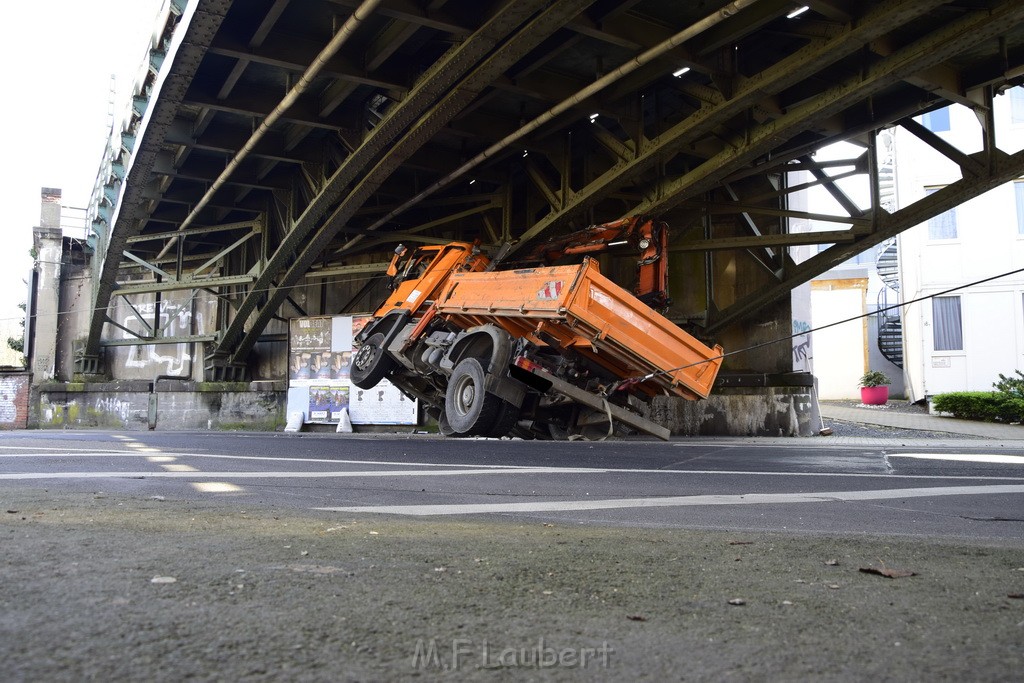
point(472, 181)
point(797, 12)
point(525, 153)
point(679, 72)
point(593, 118)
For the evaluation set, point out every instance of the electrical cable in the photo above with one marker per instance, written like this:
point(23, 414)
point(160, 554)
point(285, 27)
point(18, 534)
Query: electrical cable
point(644, 378)
point(199, 285)
point(722, 356)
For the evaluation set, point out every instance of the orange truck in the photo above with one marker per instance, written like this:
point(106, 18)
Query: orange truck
point(534, 349)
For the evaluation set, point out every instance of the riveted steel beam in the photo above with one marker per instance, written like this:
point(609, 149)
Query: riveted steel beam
point(145, 341)
point(748, 92)
point(432, 85)
point(968, 164)
point(935, 48)
point(763, 241)
point(244, 225)
point(184, 283)
point(202, 23)
point(412, 13)
point(1004, 169)
point(438, 91)
point(294, 54)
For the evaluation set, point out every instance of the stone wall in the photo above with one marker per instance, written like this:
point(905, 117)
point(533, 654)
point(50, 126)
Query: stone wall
point(740, 411)
point(261, 406)
point(163, 405)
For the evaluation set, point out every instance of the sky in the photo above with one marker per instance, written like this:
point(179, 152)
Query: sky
point(57, 57)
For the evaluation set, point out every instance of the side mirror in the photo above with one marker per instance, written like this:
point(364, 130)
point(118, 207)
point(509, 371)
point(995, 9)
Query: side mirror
point(393, 266)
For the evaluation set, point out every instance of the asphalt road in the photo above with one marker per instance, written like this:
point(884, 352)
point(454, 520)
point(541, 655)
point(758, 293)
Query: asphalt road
point(162, 556)
point(713, 484)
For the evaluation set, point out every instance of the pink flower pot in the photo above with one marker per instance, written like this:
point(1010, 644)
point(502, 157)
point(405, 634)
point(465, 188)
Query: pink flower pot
point(874, 396)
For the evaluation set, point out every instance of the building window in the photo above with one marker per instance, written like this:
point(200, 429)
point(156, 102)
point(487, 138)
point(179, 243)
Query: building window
point(1018, 193)
point(936, 121)
point(1017, 105)
point(943, 226)
point(947, 332)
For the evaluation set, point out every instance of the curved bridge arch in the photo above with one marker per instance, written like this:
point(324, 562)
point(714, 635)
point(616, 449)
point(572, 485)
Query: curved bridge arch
point(288, 142)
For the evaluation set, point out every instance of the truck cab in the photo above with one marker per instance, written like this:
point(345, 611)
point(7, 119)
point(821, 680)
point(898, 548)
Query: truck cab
point(417, 275)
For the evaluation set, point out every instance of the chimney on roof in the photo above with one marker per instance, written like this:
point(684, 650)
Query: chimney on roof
point(49, 213)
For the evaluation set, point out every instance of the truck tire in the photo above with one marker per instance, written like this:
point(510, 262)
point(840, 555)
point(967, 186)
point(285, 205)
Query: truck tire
point(470, 410)
point(508, 418)
point(371, 362)
point(443, 428)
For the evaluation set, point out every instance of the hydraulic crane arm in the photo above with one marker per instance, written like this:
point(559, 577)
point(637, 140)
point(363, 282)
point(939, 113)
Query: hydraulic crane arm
point(648, 236)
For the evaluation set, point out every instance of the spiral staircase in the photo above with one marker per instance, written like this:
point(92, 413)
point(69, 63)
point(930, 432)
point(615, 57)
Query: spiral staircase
point(890, 326)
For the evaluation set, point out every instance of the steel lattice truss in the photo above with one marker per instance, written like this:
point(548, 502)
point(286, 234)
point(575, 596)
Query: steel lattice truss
point(296, 140)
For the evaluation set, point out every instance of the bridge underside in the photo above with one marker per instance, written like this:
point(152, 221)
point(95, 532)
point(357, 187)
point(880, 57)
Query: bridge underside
point(294, 143)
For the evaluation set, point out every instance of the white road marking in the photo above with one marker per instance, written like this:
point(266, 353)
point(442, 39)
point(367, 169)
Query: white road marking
point(62, 451)
point(291, 475)
point(215, 487)
point(132, 454)
point(964, 457)
point(179, 468)
point(681, 501)
point(476, 468)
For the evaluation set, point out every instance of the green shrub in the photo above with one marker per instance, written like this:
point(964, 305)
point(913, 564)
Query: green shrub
point(988, 406)
point(1012, 410)
point(875, 378)
point(1011, 386)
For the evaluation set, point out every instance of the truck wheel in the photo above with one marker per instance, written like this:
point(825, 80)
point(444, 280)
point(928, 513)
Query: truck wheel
point(371, 362)
point(508, 417)
point(470, 410)
point(443, 428)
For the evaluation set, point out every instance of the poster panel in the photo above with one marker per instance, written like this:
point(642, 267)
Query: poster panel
point(308, 340)
point(320, 358)
point(384, 404)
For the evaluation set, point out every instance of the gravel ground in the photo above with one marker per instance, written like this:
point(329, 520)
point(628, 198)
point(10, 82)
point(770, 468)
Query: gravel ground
point(869, 431)
point(890, 407)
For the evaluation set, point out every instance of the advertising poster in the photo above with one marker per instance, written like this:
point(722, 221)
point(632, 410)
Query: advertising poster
point(382, 405)
point(319, 362)
point(319, 404)
point(339, 402)
point(320, 349)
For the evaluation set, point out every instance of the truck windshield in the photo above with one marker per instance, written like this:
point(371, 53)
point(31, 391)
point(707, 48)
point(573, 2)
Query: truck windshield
point(414, 267)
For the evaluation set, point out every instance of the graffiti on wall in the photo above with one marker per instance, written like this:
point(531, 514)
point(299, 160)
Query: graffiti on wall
point(174, 321)
point(11, 393)
point(114, 406)
point(801, 346)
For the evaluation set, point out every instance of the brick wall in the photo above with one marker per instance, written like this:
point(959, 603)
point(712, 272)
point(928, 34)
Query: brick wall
point(14, 390)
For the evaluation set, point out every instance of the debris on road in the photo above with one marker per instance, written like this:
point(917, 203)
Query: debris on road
point(888, 573)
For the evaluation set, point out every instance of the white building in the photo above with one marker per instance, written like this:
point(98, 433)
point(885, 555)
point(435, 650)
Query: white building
point(961, 340)
point(841, 354)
